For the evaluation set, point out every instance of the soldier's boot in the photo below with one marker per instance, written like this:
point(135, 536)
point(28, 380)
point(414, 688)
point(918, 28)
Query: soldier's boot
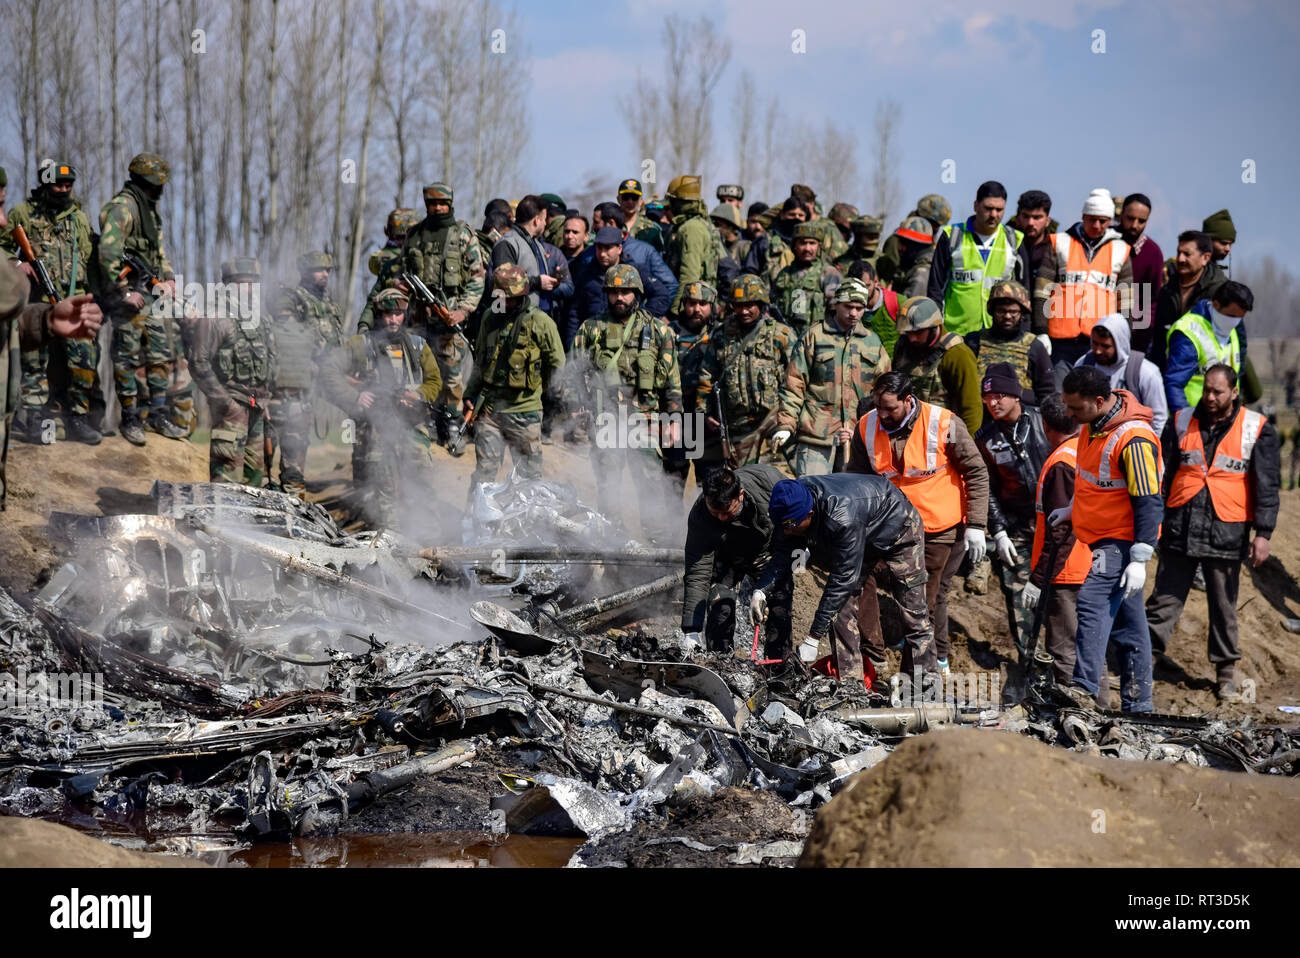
point(132, 428)
point(80, 429)
point(1226, 686)
point(977, 582)
point(52, 411)
point(21, 429)
point(160, 421)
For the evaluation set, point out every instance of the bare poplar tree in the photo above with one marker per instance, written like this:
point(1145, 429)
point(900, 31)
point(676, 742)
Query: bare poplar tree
point(402, 95)
point(743, 109)
point(270, 221)
point(886, 188)
point(245, 134)
point(359, 202)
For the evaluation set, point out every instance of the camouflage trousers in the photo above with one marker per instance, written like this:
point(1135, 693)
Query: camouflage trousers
point(812, 460)
point(237, 451)
point(35, 382)
point(143, 339)
point(396, 466)
point(520, 432)
point(180, 396)
point(290, 422)
point(658, 501)
point(1013, 579)
point(857, 628)
point(451, 349)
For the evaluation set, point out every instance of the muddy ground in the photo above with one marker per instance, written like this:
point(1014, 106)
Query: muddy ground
point(114, 478)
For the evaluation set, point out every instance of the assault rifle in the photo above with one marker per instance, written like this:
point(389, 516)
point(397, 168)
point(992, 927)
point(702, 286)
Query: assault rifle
point(724, 430)
point(436, 302)
point(48, 289)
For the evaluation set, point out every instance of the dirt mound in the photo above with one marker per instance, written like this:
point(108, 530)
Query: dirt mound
point(27, 843)
point(112, 478)
point(978, 797)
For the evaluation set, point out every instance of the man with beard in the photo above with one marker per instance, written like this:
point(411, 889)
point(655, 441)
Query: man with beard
point(1148, 260)
point(693, 329)
point(1034, 219)
point(802, 289)
point(1195, 277)
point(1006, 341)
point(519, 352)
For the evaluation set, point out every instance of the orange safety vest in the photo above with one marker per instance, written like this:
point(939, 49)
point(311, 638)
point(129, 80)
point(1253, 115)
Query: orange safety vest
point(1102, 509)
point(1228, 476)
point(1079, 560)
point(1088, 291)
point(928, 479)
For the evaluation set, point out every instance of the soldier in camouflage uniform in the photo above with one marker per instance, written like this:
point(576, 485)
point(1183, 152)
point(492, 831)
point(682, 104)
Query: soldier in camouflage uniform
point(234, 365)
point(1006, 341)
point(843, 215)
point(59, 232)
point(519, 352)
point(386, 263)
point(624, 365)
point(639, 226)
point(831, 372)
point(743, 371)
point(832, 243)
point(386, 381)
point(732, 195)
point(144, 331)
point(693, 247)
point(936, 211)
point(865, 231)
point(915, 252)
point(726, 220)
point(802, 289)
point(445, 254)
point(942, 367)
point(693, 329)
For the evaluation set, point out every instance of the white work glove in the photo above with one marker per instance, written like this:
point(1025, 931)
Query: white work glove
point(1063, 514)
point(976, 545)
point(758, 606)
point(780, 437)
point(1005, 548)
point(694, 640)
point(808, 650)
point(1029, 598)
point(1046, 341)
point(1134, 577)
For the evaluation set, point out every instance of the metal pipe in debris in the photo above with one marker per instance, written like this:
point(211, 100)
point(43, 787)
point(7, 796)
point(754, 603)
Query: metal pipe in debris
point(620, 600)
point(346, 582)
point(903, 721)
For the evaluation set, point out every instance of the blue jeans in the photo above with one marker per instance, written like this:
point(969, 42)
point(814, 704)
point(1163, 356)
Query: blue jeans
point(1105, 616)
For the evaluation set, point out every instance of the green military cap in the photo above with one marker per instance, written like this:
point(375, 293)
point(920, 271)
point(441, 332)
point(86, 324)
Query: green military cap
point(554, 202)
point(699, 291)
point(314, 260)
point(400, 222)
point(57, 173)
point(748, 288)
point(684, 187)
point(843, 213)
point(852, 290)
point(729, 191)
point(390, 300)
point(241, 269)
point(934, 208)
point(1219, 226)
point(918, 229)
point(870, 225)
point(807, 231)
point(919, 312)
point(438, 191)
point(511, 279)
point(150, 167)
point(728, 214)
point(623, 276)
point(1010, 289)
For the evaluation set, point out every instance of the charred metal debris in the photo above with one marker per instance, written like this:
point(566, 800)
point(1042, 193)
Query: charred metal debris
point(246, 667)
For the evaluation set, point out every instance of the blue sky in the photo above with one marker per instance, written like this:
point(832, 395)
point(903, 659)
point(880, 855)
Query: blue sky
point(1183, 94)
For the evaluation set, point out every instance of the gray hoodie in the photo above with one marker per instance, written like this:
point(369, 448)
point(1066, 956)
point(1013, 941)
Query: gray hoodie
point(1150, 387)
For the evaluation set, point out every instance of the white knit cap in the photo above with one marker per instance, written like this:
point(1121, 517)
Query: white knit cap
point(1099, 203)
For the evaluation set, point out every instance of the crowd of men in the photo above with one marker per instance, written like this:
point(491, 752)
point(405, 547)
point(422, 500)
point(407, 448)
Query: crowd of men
point(1055, 404)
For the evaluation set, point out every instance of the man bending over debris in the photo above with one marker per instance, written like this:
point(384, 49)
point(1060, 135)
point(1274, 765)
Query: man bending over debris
point(729, 536)
point(850, 523)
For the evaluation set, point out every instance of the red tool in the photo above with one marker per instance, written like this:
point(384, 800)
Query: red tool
point(753, 653)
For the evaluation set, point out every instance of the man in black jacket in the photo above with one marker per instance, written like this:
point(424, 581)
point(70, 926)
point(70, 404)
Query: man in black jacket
point(850, 523)
point(1222, 476)
point(729, 536)
point(1014, 448)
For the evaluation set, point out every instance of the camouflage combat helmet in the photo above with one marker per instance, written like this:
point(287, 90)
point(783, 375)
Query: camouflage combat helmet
point(699, 291)
point(57, 173)
point(684, 187)
point(748, 288)
point(400, 222)
point(623, 276)
point(918, 229)
point(934, 208)
point(391, 300)
point(728, 214)
point(852, 290)
point(870, 225)
point(807, 230)
point(843, 213)
point(241, 269)
point(919, 312)
point(1010, 289)
point(730, 191)
point(314, 260)
point(150, 167)
point(511, 279)
point(438, 191)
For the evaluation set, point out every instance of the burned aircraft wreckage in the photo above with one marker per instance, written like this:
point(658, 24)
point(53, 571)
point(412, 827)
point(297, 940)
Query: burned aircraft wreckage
point(262, 674)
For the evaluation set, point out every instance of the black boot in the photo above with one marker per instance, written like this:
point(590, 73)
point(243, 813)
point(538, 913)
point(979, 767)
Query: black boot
point(80, 429)
point(161, 423)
